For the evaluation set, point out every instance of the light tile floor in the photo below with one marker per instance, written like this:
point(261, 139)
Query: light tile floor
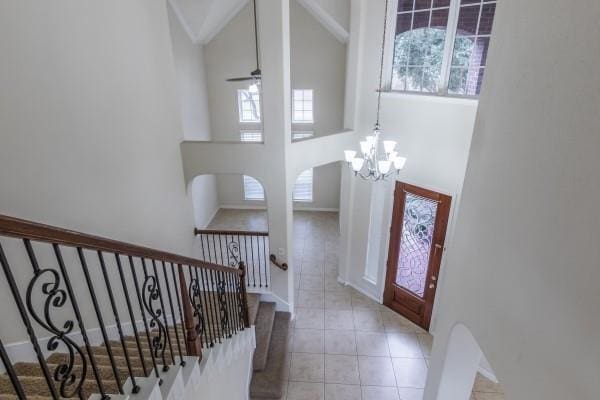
point(345, 345)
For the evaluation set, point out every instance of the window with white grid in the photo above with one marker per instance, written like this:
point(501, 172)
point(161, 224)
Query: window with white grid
point(251, 136)
point(440, 46)
point(303, 189)
point(302, 106)
point(253, 190)
point(249, 105)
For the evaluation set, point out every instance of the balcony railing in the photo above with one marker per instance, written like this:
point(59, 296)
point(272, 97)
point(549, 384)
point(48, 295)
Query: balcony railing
point(231, 247)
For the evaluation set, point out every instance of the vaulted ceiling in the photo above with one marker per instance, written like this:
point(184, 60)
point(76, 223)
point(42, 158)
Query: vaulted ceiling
point(203, 19)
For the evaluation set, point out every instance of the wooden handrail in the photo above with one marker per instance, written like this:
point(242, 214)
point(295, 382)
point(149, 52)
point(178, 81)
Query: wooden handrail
point(23, 229)
point(273, 259)
point(229, 232)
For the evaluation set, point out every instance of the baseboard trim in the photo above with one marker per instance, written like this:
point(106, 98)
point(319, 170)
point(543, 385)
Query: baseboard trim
point(280, 304)
point(212, 216)
point(359, 289)
point(264, 208)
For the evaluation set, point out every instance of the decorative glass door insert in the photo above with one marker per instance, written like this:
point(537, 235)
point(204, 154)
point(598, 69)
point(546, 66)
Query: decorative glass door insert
point(416, 243)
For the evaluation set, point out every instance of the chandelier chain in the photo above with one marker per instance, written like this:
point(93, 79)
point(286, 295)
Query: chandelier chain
point(385, 18)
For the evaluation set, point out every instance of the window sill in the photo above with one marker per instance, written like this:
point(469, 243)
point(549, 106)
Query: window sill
point(448, 99)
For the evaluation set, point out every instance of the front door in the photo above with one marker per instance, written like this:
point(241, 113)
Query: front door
point(417, 236)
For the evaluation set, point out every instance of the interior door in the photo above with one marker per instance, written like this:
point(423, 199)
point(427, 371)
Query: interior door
point(417, 235)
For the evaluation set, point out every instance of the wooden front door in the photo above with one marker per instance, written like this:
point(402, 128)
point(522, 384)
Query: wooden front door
point(417, 237)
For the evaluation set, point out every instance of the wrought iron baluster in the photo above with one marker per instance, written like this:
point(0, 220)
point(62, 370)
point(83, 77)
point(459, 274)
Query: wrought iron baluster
point(135, 386)
point(98, 312)
point(211, 304)
point(131, 315)
point(12, 375)
point(214, 249)
point(231, 323)
point(168, 285)
point(233, 301)
point(146, 296)
point(83, 332)
point(223, 314)
point(27, 322)
point(265, 263)
point(145, 321)
point(221, 249)
point(196, 302)
point(163, 310)
point(207, 309)
point(182, 319)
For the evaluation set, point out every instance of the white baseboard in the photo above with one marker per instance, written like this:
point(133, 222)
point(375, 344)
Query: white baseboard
point(264, 208)
point(280, 304)
point(359, 289)
point(212, 216)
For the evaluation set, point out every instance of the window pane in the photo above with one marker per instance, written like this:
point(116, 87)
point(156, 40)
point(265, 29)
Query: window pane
point(251, 136)
point(458, 79)
point(253, 190)
point(302, 106)
point(414, 78)
point(419, 47)
point(421, 20)
point(487, 19)
point(462, 51)
point(467, 21)
point(480, 50)
point(303, 189)
point(470, 51)
point(405, 5)
point(441, 3)
point(422, 4)
point(399, 79)
point(439, 18)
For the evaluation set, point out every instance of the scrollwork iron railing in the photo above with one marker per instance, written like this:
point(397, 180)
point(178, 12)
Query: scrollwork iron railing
point(232, 247)
point(162, 308)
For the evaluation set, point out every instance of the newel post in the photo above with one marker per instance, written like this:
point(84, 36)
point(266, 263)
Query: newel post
point(244, 294)
point(193, 341)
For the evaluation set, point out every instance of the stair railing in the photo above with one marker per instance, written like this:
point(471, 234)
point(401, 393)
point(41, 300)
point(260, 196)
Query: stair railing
point(229, 247)
point(147, 308)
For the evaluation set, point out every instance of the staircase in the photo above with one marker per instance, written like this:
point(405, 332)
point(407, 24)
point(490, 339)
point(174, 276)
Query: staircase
point(271, 357)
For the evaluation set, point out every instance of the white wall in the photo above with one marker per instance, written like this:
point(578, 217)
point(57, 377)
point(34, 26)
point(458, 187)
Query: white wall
point(193, 103)
point(433, 133)
point(89, 125)
point(318, 61)
point(524, 268)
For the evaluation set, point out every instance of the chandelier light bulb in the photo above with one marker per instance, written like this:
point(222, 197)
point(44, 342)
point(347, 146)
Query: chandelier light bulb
point(388, 146)
point(399, 163)
point(357, 164)
point(349, 155)
point(370, 141)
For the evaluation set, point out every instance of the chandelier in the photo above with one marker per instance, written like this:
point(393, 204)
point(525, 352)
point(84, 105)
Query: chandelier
point(374, 164)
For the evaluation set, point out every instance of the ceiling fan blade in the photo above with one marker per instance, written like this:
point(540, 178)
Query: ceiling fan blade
point(246, 78)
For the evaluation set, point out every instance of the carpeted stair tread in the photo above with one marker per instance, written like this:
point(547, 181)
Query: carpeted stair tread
point(264, 328)
point(270, 383)
point(253, 303)
point(105, 371)
point(15, 397)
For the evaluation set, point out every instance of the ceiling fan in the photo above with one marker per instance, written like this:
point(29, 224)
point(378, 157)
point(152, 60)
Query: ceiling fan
point(255, 75)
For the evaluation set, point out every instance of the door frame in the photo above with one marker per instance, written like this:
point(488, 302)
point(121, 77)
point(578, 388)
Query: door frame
point(435, 257)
